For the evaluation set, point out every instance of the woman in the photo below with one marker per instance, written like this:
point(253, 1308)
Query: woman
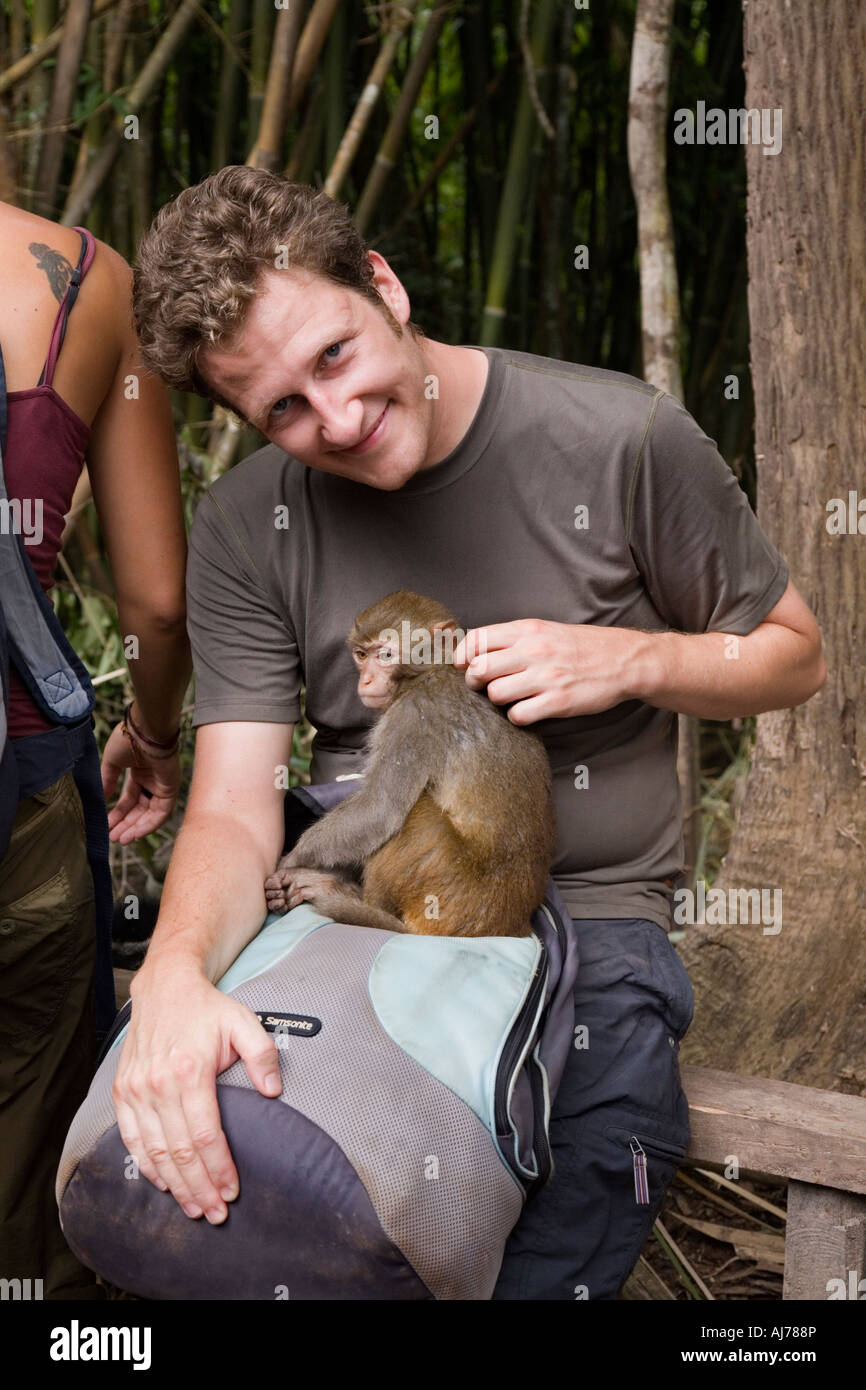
point(75, 391)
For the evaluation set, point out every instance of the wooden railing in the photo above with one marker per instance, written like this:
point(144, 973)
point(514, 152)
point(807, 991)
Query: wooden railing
point(814, 1139)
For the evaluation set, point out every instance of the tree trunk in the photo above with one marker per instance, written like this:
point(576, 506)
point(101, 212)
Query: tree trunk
point(791, 1004)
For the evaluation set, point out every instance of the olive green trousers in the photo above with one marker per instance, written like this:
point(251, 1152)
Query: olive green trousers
point(47, 1035)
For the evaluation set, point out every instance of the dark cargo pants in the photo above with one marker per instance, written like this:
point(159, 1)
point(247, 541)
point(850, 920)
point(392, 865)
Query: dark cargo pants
point(47, 1031)
point(581, 1235)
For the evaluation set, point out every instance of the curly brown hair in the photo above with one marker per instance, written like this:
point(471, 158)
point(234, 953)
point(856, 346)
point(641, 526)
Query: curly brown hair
point(198, 265)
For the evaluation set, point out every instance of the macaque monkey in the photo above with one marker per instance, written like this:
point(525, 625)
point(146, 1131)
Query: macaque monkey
point(452, 830)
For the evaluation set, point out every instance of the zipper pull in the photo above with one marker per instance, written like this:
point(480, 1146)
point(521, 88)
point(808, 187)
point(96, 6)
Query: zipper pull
point(641, 1187)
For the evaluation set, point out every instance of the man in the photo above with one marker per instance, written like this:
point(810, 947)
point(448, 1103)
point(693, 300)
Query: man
point(584, 522)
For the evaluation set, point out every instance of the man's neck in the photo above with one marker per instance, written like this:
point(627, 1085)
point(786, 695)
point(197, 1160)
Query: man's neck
point(461, 375)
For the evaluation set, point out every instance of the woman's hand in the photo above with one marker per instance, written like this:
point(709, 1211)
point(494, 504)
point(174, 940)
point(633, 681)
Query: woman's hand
point(149, 792)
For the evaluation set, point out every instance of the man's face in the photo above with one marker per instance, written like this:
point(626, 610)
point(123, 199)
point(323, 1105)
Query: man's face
point(319, 370)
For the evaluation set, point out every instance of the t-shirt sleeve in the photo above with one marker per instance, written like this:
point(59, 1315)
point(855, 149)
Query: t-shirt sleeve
point(706, 563)
point(245, 655)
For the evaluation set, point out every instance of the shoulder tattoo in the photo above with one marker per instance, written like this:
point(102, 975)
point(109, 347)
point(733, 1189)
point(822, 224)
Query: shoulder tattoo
point(56, 267)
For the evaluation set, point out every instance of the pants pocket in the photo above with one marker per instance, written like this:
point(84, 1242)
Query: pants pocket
point(47, 932)
point(673, 985)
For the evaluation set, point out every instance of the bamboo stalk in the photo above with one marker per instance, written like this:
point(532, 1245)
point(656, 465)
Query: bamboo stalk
point(310, 46)
point(260, 47)
point(389, 149)
point(22, 69)
point(75, 27)
point(227, 101)
point(334, 77)
point(368, 99)
point(266, 150)
point(42, 19)
point(151, 74)
point(446, 155)
point(516, 179)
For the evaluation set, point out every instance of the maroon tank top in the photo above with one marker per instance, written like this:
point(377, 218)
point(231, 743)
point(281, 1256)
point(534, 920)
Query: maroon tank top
point(43, 458)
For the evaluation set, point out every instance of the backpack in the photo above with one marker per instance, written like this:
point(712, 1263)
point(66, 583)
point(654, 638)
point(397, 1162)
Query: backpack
point(418, 1074)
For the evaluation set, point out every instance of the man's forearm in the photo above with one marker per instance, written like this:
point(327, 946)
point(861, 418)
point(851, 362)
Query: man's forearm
point(716, 675)
point(213, 902)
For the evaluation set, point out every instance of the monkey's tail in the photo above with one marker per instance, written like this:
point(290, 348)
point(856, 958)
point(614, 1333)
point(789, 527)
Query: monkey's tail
point(345, 908)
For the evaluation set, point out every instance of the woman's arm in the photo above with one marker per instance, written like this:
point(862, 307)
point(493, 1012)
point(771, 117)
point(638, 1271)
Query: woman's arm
point(132, 460)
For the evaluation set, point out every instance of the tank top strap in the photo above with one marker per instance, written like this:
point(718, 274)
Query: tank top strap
point(85, 260)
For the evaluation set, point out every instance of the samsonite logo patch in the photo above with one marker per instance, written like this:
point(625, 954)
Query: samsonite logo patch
point(299, 1025)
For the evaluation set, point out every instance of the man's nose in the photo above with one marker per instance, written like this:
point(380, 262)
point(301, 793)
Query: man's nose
point(342, 420)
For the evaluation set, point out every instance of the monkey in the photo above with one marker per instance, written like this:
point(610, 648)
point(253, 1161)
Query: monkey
point(452, 831)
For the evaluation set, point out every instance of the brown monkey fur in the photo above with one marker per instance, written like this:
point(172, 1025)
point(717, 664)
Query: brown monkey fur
point(453, 826)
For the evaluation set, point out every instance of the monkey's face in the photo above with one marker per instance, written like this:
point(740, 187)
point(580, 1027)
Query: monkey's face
point(378, 667)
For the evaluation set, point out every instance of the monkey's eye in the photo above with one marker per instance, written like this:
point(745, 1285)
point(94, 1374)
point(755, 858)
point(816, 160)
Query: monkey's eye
point(387, 656)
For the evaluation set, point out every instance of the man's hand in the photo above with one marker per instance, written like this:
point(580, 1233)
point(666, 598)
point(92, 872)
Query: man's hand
point(182, 1033)
point(559, 670)
point(552, 670)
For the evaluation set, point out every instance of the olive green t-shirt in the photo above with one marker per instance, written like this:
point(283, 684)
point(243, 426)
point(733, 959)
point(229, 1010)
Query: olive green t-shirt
point(576, 495)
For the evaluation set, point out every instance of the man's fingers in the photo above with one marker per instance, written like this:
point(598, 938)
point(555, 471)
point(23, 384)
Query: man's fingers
point(257, 1053)
point(129, 1133)
point(480, 640)
point(205, 1127)
point(169, 1143)
point(145, 1139)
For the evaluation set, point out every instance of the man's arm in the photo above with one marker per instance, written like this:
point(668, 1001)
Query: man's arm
point(551, 670)
point(183, 1031)
point(714, 675)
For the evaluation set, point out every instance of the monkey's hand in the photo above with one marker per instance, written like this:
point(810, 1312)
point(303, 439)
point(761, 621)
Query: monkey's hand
point(289, 886)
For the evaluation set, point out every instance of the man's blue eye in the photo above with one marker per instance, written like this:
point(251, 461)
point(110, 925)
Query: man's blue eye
point(286, 401)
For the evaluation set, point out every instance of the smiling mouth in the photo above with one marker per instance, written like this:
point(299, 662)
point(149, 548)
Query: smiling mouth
point(372, 438)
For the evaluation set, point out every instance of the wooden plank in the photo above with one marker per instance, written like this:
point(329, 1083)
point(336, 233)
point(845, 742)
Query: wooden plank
point(776, 1127)
point(826, 1241)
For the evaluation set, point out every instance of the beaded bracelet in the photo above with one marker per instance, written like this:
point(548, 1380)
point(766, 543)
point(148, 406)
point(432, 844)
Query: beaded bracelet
point(136, 738)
